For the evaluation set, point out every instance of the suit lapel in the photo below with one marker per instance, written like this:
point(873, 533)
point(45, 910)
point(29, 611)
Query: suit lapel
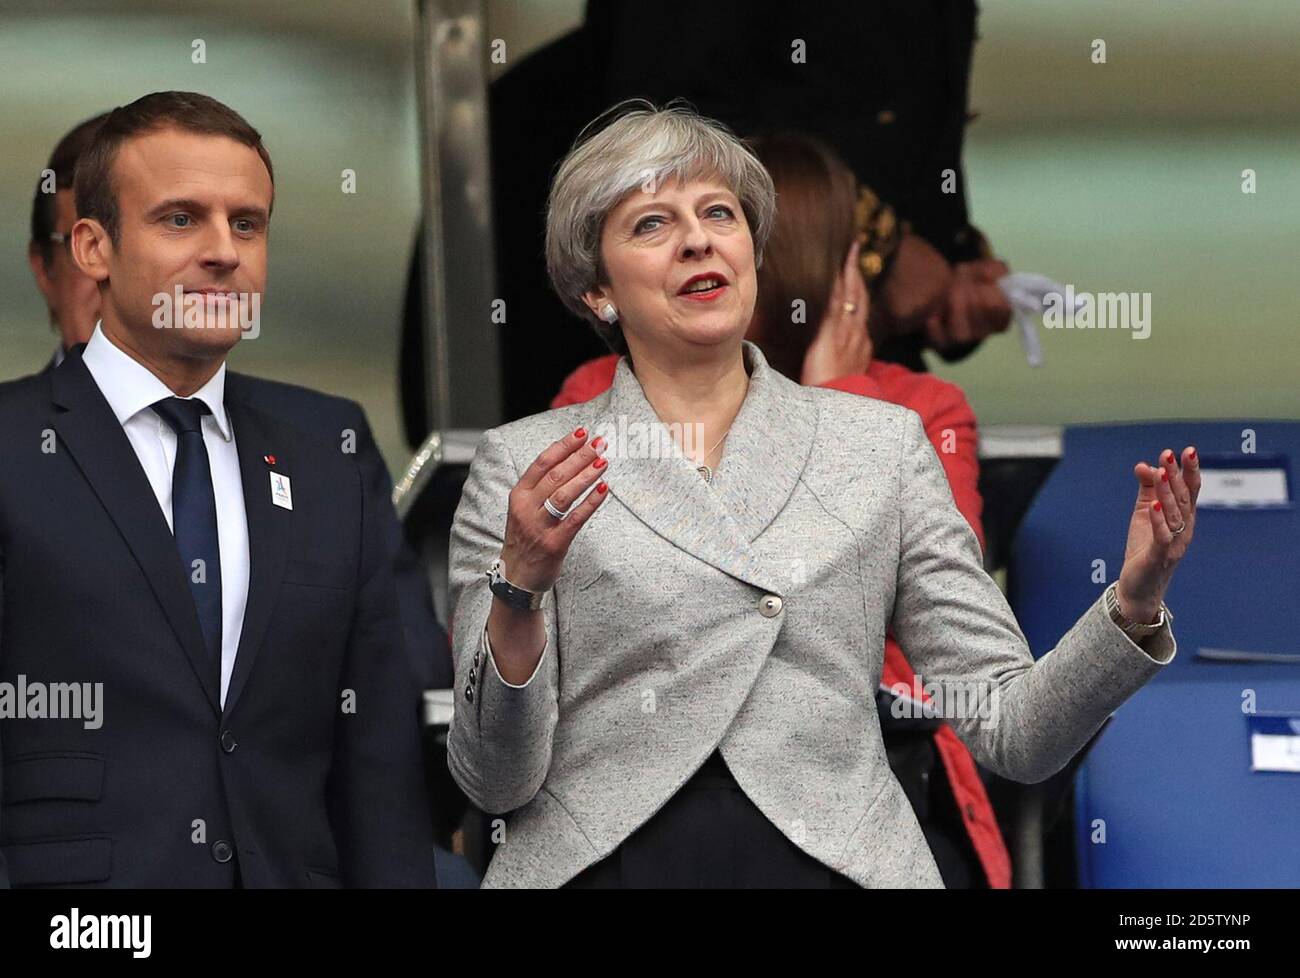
point(269, 527)
point(767, 449)
point(91, 434)
point(763, 457)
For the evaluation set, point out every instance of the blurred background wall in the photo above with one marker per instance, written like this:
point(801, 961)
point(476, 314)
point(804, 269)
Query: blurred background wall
point(330, 85)
point(1122, 176)
point(1127, 176)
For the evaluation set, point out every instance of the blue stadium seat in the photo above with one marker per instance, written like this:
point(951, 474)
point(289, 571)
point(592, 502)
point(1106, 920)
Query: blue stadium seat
point(1170, 780)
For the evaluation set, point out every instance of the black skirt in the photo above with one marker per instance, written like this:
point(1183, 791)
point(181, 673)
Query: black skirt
point(709, 835)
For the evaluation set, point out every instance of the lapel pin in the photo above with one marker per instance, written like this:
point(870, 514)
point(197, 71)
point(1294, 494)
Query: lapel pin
point(281, 491)
point(268, 459)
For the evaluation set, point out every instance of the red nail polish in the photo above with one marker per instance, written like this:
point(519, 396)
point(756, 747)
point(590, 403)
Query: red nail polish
point(1156, 506)
point(602, 488)
point(1192, 454)
point(600, 463)
point(598, 444)
point(580, 433)
point(1164, 475)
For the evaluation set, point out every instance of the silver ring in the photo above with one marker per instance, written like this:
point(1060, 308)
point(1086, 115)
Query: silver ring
point(850, 307)
point(1180, 529)
point(550, 508)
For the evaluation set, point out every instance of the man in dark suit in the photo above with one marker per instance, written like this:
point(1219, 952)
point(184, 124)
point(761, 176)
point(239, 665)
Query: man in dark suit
point(213, 575)
point(72, 300)
point(71, 296)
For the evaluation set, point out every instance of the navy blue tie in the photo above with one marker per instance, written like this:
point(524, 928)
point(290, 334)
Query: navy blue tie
point(194, 516)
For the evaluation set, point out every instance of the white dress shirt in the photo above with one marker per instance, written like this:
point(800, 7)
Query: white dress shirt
point(130, 388)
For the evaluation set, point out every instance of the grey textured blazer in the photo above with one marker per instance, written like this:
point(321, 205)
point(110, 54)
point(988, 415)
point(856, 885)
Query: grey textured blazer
point(749, 615)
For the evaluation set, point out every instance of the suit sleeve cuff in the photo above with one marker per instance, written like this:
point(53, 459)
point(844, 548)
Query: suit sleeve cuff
point(1159, 647)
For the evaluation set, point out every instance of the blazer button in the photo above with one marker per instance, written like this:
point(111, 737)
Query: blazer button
point(222, 851)
point(770, 606)
point(228, 743)
point(473, 675)
point(469, 693)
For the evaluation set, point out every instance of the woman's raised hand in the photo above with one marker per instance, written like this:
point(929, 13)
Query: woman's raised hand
point(536, 543)
point(842, 346)
point(1164, 520)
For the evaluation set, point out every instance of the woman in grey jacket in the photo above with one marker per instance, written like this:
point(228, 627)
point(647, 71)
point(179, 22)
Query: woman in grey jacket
point(676, 686)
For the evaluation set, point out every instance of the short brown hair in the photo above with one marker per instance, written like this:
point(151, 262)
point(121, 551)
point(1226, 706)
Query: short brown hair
point(63, 164)
point(816, 193)
point(190, 111)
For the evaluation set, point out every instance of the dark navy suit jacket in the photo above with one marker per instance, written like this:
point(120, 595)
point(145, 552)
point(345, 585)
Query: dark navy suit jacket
point(311, 774)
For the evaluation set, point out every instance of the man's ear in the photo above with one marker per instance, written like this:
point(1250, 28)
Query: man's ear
point(40, 271)
point(92, 249)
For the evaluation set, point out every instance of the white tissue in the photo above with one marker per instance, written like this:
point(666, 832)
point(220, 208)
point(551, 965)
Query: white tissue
point(1026, 293)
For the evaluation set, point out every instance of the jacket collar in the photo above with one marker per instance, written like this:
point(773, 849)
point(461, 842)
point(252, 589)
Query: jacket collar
point(763, 456)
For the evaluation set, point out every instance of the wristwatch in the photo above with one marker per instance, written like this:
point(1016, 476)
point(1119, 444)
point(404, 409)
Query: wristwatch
point(516, 597)
point(1136, 630)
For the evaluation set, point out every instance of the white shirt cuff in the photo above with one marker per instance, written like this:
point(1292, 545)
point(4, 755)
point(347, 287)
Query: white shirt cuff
point(487, 644)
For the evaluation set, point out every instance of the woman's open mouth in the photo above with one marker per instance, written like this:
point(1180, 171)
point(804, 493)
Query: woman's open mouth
point(703, 288)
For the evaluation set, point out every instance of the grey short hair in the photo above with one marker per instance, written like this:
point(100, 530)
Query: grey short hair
point(632, 145)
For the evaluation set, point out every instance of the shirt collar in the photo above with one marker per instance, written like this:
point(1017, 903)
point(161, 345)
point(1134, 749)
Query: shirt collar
point(130, 387)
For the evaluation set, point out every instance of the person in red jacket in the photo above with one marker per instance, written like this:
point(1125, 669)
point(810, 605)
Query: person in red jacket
point(815, 270)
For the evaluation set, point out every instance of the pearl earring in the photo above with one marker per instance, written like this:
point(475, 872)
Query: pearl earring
point(609, 313)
